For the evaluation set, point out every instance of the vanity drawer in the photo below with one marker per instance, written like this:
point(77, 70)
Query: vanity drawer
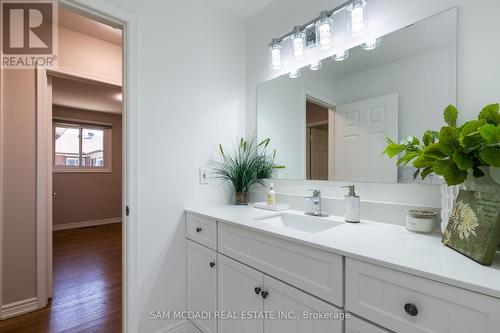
point(201, 230)
point(407, 303)
point(317, 272)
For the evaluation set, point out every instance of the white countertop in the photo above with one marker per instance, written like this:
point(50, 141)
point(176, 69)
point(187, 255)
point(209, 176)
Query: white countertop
point(383, 244)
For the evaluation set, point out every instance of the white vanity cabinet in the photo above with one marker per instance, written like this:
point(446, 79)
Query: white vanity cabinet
point(356, 325)
point(201, 283)
point(406, 303)
point(239, 289)
point(249, 293)
point(255, 281)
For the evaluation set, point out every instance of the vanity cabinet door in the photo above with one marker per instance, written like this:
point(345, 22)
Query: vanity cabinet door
point(202, 284)
point(239, 291)
point(286, 303)
point(356, 325)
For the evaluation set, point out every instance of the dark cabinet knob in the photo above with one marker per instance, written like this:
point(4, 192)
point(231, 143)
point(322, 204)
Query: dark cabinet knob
point(257, 290)
point(198, 229)
point(411, 309)
point(264, 294)
point(212, 264)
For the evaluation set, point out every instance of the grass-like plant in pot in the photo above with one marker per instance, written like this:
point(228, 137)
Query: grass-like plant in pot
point(455, 151)
point(249, 164)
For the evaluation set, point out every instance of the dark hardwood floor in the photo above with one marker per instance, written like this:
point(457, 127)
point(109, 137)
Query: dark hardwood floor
point(87, 292)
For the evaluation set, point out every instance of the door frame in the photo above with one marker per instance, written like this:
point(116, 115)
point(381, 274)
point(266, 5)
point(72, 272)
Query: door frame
point(314, 97)
point(2, 92)
point(100, 10)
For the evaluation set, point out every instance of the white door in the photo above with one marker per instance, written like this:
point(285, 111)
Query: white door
point(202, 284)
point(360, 130)
point(356, 325)
point(319, 154)
point(287, 302)
point(239, 289)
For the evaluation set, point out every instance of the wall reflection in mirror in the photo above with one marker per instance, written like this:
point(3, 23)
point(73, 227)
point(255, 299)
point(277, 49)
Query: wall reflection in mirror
point(330, 124)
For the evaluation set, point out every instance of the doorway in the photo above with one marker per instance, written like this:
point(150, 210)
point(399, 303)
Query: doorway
point(80, 181)
point(317, 140)
point(115, 17)
point(86, 145)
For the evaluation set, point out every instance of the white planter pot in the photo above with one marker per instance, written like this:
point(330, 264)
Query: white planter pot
point(489, 183)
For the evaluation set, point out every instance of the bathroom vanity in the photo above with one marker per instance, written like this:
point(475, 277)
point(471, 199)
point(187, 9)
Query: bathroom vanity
point(263, 271)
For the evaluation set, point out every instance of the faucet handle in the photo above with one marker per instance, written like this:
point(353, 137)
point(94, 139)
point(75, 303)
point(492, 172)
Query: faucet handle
point(316, 193)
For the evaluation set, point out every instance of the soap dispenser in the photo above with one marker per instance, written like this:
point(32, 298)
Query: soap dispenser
point(271, 196)
point(352, 203)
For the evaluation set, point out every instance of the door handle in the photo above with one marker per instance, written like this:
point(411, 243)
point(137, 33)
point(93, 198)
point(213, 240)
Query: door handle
point(54, 194)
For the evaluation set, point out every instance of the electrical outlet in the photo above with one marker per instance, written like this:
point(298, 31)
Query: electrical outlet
point(203, 174)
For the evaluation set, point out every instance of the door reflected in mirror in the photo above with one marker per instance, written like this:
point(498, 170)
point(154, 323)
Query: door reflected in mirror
point(331, 124)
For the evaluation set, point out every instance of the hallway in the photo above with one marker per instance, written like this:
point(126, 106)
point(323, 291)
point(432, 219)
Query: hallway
point(87, 294)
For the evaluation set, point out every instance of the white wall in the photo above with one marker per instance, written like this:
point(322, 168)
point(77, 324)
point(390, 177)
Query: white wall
point(192, 97)
point(478, 76)
point(282, 116)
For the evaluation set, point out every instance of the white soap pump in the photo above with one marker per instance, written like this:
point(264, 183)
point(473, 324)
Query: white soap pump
point(352, 203)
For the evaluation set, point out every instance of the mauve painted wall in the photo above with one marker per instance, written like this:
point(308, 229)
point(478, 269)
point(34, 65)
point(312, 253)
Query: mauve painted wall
point(90, 196)
point(19, 191)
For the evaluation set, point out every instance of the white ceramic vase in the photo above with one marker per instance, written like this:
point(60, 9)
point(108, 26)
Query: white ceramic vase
point(489, 183)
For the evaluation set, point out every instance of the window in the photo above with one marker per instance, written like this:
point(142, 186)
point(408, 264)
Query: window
point(79, 147)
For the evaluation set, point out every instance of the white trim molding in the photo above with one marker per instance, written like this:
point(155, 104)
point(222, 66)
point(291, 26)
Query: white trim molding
point(20, 307)
point(84, 224)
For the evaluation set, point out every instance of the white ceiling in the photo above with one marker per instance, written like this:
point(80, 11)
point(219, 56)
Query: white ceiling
point(244, 8)
point(84, 25)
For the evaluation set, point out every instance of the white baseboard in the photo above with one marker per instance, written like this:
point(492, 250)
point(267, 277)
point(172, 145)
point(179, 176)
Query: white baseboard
point(83, 224)
point(18, 308)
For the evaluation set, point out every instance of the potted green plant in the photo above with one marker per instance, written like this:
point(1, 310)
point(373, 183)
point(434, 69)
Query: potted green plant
point(249, 164)
point(464, 155)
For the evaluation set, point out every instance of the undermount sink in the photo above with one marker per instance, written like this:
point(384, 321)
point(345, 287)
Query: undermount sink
point(309, 224)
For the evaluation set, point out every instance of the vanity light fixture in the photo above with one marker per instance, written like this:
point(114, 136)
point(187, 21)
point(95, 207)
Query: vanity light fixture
point(356, 11)
point(275, 48)
point(294, 74)
point(316, 66)
point(299, 43)
point(324, 30)
point(371, 44)
point(318, 33)
point(341, 56)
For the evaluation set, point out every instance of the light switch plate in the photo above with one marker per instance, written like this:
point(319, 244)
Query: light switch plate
point(203, 174)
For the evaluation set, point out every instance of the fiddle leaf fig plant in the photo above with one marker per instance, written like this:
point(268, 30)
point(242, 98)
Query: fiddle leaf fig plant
point(452, 151)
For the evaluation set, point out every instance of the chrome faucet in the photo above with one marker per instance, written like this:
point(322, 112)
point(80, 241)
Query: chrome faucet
point(316, 200)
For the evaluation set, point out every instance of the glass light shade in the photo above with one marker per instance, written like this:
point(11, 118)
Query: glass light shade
point(299, 45)
point(294, 74)
point(315, 66)
point(371, 44)
point(324, 31)
point(275, 52)
point(341, 56)
point(356, 18)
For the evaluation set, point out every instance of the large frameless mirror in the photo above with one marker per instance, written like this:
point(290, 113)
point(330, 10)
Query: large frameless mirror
point(331, 123)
